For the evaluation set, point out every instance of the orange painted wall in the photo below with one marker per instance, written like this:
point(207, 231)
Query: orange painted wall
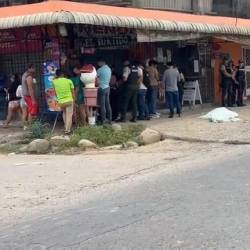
point(235, 50)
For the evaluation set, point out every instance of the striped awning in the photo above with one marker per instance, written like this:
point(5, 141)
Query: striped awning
point(57, 12)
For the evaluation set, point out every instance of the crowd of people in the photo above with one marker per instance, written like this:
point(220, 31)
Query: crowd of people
point(135, 89)
point(21, 97)
point(233, 83)
point(139, 86)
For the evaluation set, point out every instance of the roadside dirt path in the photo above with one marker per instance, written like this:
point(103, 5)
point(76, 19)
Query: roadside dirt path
point(35, 185)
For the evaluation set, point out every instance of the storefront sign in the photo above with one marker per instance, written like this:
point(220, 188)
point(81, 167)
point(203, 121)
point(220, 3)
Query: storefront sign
point(85, 31)
point(103, 37)
point(49, 70)
point(153, 36)
point(192, 93)
point(20, 40)
point(106, 42)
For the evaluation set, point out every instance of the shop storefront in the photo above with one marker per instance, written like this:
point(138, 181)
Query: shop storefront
point(192, 54)
point(64, 46)
point(67, 33)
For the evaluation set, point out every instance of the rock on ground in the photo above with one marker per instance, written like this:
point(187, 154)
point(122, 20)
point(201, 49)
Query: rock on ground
point(150, 136)
point(86, 144)
point(114, 147)
point(39, 146)
point(131, 144)
point(116, 127)
point(59, 140)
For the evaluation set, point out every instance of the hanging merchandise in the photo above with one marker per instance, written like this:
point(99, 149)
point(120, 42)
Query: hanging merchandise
point(160, 56)
point(196, 66)
point(169, 55)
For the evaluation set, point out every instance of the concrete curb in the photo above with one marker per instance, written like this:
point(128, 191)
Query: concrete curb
point(198, 140)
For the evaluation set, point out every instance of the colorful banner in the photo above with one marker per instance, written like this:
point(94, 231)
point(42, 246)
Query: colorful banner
point(49, 70)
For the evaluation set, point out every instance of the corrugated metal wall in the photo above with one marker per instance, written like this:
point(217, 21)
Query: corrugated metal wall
point(200, 6)
point(164, 4)
point(203, 6)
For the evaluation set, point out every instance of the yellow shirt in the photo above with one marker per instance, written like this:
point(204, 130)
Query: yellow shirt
point(63, 88)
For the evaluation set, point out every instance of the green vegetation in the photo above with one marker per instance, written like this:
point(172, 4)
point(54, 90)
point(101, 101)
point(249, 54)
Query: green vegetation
point(105, 135)
point(9, 148)
point(102, 136)
point(36, 130)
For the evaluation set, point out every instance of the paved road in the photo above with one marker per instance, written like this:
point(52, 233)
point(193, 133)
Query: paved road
point(204, 207)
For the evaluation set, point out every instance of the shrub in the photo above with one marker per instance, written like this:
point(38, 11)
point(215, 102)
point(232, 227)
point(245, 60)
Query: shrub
point(36, 130)
point(105, 135)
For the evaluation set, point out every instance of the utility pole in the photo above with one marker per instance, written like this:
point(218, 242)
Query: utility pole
point(236, 10)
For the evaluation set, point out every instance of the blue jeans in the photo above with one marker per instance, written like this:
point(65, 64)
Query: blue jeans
point(173, 101)
point(142, 107)
point(104, 102)
point(151, 99)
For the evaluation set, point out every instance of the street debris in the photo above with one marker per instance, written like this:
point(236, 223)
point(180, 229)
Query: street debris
point(220, 115)
point(19, 164)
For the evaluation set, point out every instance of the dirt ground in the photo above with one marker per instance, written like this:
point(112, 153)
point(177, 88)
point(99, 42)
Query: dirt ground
point(190, 126)
point(33, 184)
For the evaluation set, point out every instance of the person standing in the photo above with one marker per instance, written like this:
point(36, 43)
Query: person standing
point(64, 90)
point(23, 105)
point(14, 100)
point(103, 77)
point(235, 85)
point(181, 83)
point(241, 80)
point(81, 108)
point(132, 76)
point(28, 89)
point(227, 83)
point(170, 80)
point(142, 105)
point(152, 88)
point(114, 96)
point(3, 96)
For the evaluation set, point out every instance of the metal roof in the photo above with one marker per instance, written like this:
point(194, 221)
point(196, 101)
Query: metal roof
point(81, 13)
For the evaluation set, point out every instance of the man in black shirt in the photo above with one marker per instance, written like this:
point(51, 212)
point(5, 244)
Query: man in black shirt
point(227, 82)
point(131, 77)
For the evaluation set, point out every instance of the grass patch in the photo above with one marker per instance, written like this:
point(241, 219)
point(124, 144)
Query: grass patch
point(105, 135)
point(8, 148)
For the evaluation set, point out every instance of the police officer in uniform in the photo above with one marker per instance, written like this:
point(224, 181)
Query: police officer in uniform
point(132, 75)
point(227, 83)
point(241, 82)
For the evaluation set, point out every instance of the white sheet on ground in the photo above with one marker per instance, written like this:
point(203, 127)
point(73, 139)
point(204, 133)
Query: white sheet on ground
point(221, 115)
